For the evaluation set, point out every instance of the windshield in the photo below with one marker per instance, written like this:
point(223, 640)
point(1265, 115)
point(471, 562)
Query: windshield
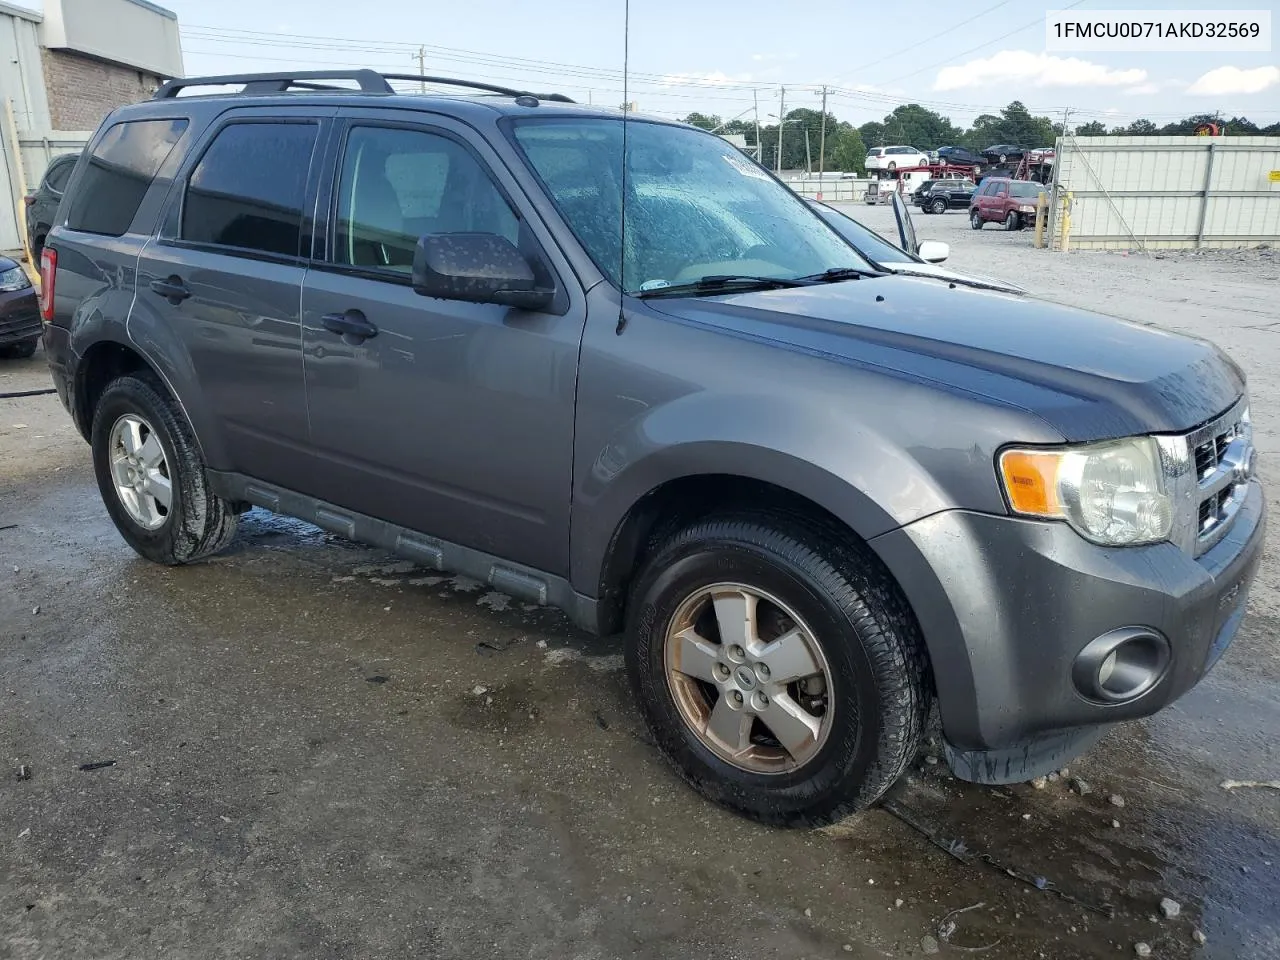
point(869, 243)
point(1022, 189)
point(695, 206)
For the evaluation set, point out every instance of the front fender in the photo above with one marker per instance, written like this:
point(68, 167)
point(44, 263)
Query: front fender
point(846, 465)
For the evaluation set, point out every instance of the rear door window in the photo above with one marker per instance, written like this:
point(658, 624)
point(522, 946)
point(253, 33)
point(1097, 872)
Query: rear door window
point(119, 172)
point(247, 192)
point(57, 177)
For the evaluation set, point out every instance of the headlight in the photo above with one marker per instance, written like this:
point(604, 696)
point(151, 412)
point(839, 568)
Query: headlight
point(14, 279)
point(1112, 493)
point(1027, 208)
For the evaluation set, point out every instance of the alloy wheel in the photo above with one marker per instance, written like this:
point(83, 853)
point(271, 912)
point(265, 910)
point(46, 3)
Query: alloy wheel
point(140, 472)
point(749, 678)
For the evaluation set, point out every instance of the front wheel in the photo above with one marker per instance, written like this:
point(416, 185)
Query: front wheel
point(1012, 221)
point(152, 477)
point(975, 219)
point(779, 670)
point(939, 206)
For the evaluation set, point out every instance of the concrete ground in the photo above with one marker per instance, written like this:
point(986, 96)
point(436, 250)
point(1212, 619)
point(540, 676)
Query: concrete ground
point(304, 748)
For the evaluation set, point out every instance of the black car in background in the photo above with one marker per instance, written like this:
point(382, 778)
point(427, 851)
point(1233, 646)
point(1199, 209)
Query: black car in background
point(20, 326)
point(42, 202)
point(959, 156)
point(943, 195)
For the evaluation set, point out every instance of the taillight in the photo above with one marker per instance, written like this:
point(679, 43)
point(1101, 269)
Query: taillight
point(48, 277)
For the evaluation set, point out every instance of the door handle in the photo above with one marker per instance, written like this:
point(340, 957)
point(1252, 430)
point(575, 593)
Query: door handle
point(172, 289)
point(349, 324)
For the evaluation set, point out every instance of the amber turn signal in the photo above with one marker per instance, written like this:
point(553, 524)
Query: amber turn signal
point(1031, 480)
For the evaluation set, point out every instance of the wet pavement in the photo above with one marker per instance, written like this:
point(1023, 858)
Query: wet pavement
point(304, 747)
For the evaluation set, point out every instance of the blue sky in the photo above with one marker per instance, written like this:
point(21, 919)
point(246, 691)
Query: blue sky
point(715, 55)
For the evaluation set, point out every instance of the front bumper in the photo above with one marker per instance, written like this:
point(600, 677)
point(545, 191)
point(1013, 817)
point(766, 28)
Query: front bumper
point(1006, 605)
point(19, 316)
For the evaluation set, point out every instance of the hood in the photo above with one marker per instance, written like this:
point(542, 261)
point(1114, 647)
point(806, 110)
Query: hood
point(1090, 376)
point(942, 273)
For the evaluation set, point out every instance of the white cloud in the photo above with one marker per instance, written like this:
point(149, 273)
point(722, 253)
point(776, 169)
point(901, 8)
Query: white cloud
point(715, 79)
point(1233, 80)
point(1143, 89)
point(1035, 69)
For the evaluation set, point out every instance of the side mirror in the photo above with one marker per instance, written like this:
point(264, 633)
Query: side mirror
point(933, 251)
point(476, 268)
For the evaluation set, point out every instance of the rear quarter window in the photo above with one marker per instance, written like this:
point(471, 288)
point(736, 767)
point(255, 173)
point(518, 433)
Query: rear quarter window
point(118, 173)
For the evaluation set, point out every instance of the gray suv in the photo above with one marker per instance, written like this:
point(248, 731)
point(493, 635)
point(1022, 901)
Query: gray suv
point(666, 397)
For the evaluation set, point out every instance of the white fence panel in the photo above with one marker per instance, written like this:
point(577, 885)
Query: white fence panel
point(1170, 192)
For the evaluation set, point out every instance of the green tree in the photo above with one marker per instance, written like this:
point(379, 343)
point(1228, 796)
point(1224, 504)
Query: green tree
point(1185, 128)
point(703, 120)
point(1094, 128)
point(872, 134)
point(1142, 128)
point(921, 128)
point(849, 153)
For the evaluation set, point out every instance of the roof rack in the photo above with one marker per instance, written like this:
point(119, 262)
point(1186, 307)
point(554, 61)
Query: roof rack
point(369, 81)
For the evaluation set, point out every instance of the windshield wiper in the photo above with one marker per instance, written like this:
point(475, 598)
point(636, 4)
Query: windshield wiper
point(719, 282)
point(836, 274)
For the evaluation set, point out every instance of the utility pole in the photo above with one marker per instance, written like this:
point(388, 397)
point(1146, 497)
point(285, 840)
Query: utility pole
point(421, 57)
point(782, 124)
point(755, 95)
point(822, 142)
point(808, 155)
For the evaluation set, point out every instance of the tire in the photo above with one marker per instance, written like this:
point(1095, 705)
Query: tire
point(195, 523)
point(975, 219)
point(23, 350)
point(938, 206)
point(1013, 221)
point(875, 697)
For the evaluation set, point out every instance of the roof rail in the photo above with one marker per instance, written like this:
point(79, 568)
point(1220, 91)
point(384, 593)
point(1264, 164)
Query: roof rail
point(369, 81)
point(475, 85)
point(259, 83)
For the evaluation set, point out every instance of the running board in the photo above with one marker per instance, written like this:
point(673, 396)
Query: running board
point(517, 580)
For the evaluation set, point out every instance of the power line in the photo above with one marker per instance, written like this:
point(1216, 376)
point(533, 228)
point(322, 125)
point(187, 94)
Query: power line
point(981, 46)
point(941, 33)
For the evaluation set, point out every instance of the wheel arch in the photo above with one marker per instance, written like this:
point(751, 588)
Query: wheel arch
point(617, 532)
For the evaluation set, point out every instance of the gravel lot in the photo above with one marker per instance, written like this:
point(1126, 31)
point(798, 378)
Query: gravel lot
point(319, 751)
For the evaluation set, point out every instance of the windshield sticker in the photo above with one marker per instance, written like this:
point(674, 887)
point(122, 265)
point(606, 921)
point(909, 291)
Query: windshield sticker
point(745, 167)
point(654, 285)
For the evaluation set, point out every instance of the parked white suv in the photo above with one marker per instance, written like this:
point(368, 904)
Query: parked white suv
point(894, 158)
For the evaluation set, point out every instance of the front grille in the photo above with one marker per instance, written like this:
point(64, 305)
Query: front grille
point(1223, 455)
point(19, 326)
point(1209, 453)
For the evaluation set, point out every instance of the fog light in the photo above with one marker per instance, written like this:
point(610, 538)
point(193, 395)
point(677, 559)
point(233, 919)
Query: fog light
point(1122, 665)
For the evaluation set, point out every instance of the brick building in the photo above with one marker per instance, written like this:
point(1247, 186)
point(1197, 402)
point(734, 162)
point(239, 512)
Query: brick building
point(64, 68)
point(100, 54)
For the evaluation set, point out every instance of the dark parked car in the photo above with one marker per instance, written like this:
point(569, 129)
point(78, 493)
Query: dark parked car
point(42, 203)
point(19, 312)
point(1001, 200)
point(959, 156)
point(815, 497)
point(944, 195)
point(1003, 153)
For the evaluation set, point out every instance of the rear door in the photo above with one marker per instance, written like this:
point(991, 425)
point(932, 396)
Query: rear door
point(224, 277)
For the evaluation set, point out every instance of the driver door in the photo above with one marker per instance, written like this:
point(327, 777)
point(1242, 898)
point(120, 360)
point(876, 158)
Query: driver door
point(450, 418)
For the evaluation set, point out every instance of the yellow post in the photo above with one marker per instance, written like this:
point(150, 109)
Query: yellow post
point(14, 146)
point(1042, 209)
point(1066, 222)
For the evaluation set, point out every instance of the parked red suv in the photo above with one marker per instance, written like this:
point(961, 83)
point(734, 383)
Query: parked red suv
point(1001, 200)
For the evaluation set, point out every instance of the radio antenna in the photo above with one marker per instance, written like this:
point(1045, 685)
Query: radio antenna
point(626, 117)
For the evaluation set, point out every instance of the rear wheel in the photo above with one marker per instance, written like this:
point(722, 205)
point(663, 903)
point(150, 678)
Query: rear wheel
point(975, 219)
point(1013, 221)
point(939, 205)
point(779, 670)
point(20, 351)
point(152, 477)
